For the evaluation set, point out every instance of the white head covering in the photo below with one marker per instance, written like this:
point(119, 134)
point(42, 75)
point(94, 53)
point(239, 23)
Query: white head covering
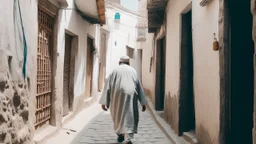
point(125, 59)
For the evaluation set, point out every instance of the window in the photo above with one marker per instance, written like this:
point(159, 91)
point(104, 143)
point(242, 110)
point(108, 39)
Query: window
point(141, 32)
point(130, 52)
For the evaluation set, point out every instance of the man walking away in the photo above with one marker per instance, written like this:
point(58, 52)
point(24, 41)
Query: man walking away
point(121, 94)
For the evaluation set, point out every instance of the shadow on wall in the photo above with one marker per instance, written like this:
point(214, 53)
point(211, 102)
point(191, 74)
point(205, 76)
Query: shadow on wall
point(149, 94)
point(204, 136)
point(171, 111)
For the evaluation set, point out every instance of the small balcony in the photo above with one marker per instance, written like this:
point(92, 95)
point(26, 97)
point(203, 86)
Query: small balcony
point(92, 10)
point(156, 14)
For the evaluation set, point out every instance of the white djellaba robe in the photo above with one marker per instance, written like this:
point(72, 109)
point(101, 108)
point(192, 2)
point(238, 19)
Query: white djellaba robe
point(121, 94)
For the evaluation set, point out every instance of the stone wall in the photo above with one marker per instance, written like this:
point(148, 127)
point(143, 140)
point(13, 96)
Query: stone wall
point(17, 95)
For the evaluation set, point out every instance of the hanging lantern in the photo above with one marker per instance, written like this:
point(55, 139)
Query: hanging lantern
point(215, 44)
point(117, 20)
point(117, 16)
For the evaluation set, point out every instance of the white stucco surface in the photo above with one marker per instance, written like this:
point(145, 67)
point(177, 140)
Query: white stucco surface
point(173, 39)
point(147, 75)
point(206, 63)
point(70, 22)
point(121, 34)
point(206, 69)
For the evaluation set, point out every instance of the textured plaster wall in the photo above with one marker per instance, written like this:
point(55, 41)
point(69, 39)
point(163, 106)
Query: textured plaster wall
point(206, 71)
point(70, 22)
point(147, 50)
point(173, 40)
point(147, 76)
point(17, 96)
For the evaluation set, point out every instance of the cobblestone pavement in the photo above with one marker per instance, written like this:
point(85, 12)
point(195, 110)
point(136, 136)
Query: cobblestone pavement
point(100, 131)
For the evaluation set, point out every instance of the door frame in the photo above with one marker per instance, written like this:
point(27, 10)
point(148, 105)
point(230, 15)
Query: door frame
point(90, 89)
point(224, 68)
point(50, 9)
point(73, 55)
point(160, 73)
point(184, 123)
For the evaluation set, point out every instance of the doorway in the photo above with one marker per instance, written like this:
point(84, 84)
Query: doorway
point(44, 68)
point(186, 100)
point(67, 92)
point(241, 72)
point(139, 63)
point(160, 75)
point(89, 67)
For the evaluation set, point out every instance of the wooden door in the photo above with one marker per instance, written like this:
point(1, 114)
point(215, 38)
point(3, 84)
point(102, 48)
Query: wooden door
point(160, 75)
point(66, 75)
point(89, 67)
point(187, 108)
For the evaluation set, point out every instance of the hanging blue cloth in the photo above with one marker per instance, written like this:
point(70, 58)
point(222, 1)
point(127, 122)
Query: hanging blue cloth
point(24, 44)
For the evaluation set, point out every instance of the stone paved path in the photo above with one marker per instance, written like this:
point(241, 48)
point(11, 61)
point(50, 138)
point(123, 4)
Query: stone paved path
point(100, 131)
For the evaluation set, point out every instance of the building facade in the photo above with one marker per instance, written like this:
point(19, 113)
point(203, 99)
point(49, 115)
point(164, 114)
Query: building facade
point(202, 64)
point(49, 64)
point(122, 35)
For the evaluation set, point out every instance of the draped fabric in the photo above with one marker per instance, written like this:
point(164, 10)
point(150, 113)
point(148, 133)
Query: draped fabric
point(122, 92)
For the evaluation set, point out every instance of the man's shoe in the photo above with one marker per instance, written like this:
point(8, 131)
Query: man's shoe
point(120, 138)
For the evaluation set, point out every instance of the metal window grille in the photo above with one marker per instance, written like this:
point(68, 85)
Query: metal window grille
point(44, 60)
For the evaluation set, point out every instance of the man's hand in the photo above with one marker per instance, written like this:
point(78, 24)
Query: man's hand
point(143, 108)
point(104, 107)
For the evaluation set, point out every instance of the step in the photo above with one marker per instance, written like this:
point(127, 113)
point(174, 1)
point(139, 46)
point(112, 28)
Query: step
point(190, 137)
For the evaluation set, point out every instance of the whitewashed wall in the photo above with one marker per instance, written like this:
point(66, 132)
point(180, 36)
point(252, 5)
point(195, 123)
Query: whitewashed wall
point(121, 34)
point(69, 20)
point(206, 64)
point(206, 71)
point(148, 80)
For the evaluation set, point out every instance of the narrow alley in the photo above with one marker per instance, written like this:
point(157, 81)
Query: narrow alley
point(80, 71)
point(93, 126)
